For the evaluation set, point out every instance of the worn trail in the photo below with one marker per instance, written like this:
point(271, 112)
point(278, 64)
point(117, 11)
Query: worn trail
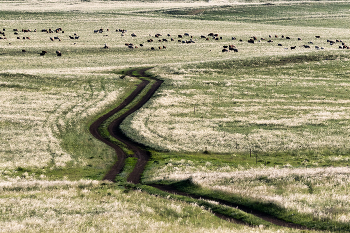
point(113, 128)
point(143, 155)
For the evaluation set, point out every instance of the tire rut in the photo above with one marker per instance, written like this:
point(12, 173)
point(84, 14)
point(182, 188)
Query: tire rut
point(143, 155)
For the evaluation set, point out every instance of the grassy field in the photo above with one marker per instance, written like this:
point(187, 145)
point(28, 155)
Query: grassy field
point(267, 126)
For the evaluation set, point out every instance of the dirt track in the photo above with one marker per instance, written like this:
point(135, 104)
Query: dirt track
point(143, 155)
point(113, 129)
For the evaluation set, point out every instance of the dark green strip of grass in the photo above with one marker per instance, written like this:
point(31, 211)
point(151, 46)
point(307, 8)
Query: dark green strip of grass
point(129, 166)
point(249, 219)
point(309, 221)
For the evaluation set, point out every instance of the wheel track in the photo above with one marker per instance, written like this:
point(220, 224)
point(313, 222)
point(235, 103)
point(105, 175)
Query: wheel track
point(143, 155)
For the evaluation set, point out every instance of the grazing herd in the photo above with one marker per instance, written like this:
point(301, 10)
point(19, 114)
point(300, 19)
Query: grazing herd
point(184, 38)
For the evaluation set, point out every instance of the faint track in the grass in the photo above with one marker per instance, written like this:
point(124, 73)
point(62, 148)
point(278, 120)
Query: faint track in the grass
point(141, 155)
point(259, 214)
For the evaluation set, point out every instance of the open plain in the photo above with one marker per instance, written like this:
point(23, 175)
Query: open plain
point(241, 108)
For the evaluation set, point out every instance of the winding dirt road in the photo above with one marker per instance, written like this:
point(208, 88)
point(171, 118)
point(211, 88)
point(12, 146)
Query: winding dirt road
point(143, 155)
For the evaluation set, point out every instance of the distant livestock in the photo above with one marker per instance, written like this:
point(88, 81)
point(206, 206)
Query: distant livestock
point(43, 53)
point(74, 37)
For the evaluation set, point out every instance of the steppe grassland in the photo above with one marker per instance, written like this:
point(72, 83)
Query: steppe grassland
point(85, 56)
point(219, 121)
point(293, 103)
point(267, 104)
point(83, 60)
point(44, 120)
point(88, 53)
point(60, 97)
